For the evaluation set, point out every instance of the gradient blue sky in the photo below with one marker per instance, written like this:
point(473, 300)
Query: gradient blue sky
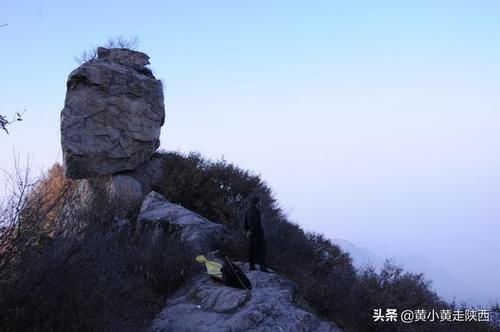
point(373, 121)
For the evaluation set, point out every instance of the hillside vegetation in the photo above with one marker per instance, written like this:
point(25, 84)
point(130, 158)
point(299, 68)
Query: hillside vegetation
point(59, 275)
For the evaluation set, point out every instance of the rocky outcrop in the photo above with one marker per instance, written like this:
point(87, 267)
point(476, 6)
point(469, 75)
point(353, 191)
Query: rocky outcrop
point(159, 218)
point(119, 193)
point(207, 305)
point(112, 115)
point(110, 128)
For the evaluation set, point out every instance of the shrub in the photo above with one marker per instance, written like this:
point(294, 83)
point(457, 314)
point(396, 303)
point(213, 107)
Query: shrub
point(27, 213)
point(326, 280)
point(102, 278)
point(100, 282)
point(220, 191)
point(99, 277)
point(217, 190)
point(118, 42)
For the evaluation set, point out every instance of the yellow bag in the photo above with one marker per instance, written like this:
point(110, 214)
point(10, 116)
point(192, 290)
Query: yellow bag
point(213, 268)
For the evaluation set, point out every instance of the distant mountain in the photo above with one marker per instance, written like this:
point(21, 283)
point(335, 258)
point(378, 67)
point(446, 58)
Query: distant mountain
point(443, 282)
point(361, 257)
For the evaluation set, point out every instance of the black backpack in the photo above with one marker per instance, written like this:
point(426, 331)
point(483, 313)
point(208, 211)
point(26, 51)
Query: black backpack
point(233, 276)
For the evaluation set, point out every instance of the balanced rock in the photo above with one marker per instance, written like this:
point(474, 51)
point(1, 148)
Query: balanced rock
point(112, 114)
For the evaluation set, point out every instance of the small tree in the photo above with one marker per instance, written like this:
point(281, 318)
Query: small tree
point(24, 212)
point(118, 42)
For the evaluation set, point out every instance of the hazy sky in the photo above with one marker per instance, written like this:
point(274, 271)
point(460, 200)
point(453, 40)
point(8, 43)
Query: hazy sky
point(373, 121)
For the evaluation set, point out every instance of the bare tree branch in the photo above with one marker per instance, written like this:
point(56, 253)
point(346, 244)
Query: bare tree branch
point(4, 122)
point(25, 211)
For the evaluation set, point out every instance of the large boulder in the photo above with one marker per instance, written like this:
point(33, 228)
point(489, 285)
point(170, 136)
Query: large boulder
point(207, 305)
point(159, 219)
point(112, 115)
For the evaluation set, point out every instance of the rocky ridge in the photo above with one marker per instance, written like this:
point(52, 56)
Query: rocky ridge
point(205, 304)
point(110, 128)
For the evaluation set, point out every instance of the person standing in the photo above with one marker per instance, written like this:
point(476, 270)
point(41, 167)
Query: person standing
point(255, 234)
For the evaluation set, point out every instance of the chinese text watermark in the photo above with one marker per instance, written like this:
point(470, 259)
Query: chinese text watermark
point(423, 315)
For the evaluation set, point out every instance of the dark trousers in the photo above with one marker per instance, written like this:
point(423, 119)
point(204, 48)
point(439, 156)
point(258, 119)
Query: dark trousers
point(257, 249)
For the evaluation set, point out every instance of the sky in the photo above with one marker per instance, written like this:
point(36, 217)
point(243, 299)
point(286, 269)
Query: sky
point(373, 121)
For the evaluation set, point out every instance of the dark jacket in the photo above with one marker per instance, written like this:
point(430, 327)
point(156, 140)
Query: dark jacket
point(252, 221)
